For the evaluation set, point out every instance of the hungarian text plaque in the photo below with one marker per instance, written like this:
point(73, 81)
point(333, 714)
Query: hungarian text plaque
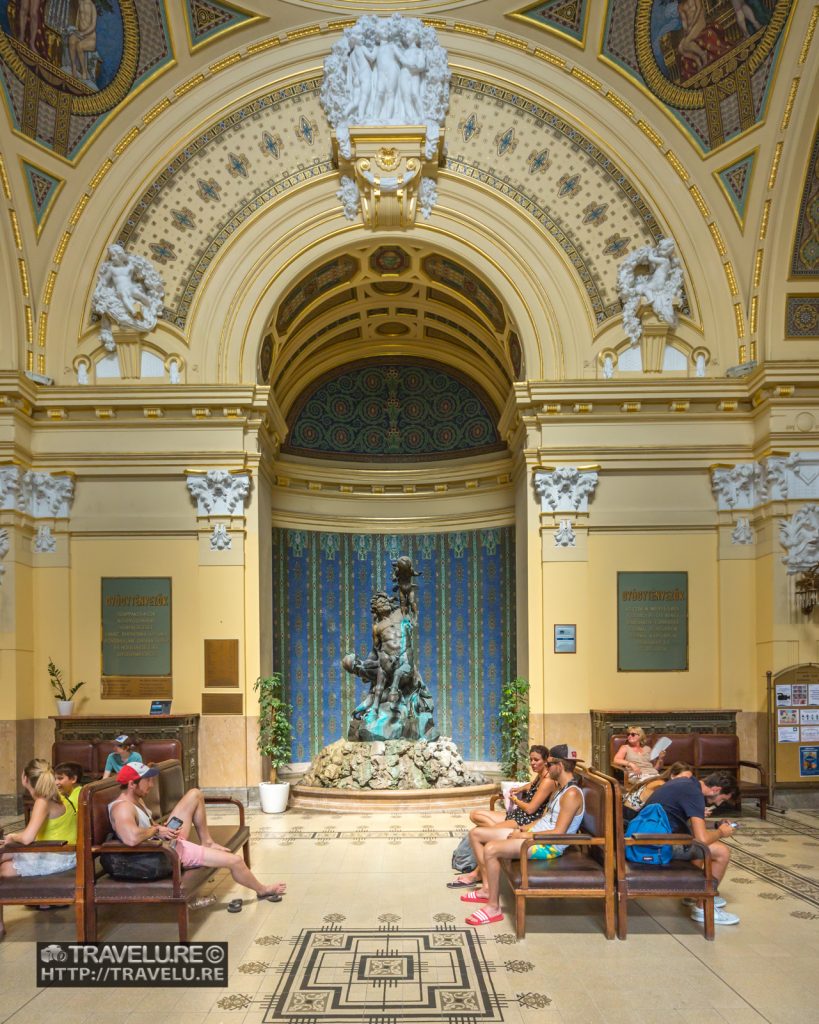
point(652, 621)
point(136, 637)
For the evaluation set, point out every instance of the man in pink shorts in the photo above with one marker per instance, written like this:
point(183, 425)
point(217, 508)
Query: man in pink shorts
point(133, 824)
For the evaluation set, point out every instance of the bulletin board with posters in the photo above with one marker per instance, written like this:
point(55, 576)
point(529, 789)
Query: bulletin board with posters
point(793, 706)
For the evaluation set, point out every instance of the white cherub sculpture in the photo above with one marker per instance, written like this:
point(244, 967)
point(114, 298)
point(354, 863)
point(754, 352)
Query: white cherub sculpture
point(129, 292)
point(660, 288)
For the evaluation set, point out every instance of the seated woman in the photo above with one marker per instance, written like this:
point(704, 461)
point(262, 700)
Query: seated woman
point(525, 807)
point(562, 815)
point(633, 757)
point(51, 819)
point(635, 798)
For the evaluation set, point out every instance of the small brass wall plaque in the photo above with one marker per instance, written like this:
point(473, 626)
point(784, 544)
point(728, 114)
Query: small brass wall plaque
point(221, 663)
point(222, 704)
point(134, 688)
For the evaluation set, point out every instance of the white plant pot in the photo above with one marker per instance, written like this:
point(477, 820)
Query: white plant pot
point(65, 708)
point(273, 796)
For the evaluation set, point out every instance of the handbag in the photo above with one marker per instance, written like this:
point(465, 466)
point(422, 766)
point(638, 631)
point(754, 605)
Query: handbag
point(135, 867)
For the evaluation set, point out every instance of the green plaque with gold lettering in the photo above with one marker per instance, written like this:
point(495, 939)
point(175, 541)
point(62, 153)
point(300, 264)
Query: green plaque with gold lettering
point(652, 621)
point(136, 637)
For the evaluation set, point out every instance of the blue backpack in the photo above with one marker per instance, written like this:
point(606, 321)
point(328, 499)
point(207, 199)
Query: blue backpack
point(651, 820)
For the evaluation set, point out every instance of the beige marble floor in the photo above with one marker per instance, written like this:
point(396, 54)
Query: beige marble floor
point(385, 874)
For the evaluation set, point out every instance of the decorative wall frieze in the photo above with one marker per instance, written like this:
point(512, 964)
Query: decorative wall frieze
point(777, 478)
point(219, 492)
point(36, 494)
point(799, 535)
point(565, 489)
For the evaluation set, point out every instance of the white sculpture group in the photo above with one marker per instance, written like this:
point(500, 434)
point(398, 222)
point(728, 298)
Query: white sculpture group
point(660, 288)
point(386, 71)
point(129, 292)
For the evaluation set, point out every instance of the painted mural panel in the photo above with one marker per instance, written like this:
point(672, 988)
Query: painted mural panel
point(64, 64)
point(709, 61)
point(322, 585)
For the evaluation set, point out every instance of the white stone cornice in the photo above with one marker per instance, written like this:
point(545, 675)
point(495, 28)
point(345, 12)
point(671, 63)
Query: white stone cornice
point(799, 535)
point(565, 489)
point(219, 492)
point(36, 494)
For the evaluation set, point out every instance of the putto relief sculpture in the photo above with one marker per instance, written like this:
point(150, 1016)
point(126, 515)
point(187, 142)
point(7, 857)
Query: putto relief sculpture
point(659, 287)
point(398, 705)
point(390, 74)
point(129, 292)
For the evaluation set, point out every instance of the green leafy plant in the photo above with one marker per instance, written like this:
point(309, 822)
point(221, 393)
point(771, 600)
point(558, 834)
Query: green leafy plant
point(514, 729)
point(275, 732)
point(55, 677)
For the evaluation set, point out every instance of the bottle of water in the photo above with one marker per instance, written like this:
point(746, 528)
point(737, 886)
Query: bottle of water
point(201, 901)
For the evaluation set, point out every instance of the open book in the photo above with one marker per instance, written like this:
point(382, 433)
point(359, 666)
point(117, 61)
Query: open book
point(663, 743)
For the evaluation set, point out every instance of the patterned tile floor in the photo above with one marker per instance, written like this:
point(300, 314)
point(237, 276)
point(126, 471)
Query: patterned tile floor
point(369, 933)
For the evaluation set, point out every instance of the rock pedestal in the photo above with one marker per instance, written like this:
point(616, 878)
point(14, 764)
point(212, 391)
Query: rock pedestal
point(391, 764)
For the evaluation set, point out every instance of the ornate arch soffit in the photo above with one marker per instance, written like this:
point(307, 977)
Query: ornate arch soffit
point(209, 20)
point(717, 103)
point(566, 19)
point(260, 151)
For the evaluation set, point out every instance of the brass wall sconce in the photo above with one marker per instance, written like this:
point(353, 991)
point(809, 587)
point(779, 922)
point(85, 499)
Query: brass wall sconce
point(807, 589)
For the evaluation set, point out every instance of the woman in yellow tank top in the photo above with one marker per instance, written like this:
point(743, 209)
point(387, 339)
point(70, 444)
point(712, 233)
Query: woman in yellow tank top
point(52, 818)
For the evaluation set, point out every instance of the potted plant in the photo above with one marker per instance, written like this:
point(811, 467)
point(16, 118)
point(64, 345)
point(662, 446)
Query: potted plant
point(274, 740)
point(514, 729)
point(65, 701)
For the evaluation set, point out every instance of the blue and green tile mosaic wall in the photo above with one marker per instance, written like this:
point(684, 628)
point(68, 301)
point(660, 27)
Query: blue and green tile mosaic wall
point(322, 585)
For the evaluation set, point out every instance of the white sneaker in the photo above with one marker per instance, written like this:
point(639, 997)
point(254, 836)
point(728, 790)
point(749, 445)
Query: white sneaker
point(720, 916)
point(689, 901)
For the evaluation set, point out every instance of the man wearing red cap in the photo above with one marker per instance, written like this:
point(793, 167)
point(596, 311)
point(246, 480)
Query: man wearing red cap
point(133, 824)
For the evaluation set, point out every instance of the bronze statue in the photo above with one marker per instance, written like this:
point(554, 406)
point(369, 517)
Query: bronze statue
point(405, 710)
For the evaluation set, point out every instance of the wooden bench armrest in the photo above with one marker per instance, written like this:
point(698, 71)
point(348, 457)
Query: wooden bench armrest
point(148, 847)
point(229, 800)
point(494, 799)
point(757, 767)
point(43, 846)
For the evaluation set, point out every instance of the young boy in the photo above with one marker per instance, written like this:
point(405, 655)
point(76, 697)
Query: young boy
point(67, 776)
point(122, 754)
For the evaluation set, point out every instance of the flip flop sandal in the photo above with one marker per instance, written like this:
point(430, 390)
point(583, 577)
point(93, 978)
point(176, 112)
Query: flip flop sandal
point(459, 883)
point(234, 907)
point(473, 897)
point(481, 917)
point(273, 897)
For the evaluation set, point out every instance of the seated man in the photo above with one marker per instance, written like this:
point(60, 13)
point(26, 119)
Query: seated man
point(563, 814)
point(684, 800)
point(132, 824)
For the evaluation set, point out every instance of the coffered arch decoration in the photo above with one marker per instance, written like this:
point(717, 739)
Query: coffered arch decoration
point(502, 139)
point(393, 410)
point(805, 256)
point(399, 300)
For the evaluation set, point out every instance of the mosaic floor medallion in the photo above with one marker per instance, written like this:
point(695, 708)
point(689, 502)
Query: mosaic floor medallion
point(381, 975)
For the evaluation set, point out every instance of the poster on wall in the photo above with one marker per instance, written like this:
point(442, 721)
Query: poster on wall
point(787, 716)
point(783, 694)
point(136, 638)
point(652, 621)
point(788, 733)
point(809, 762)
point(799, 695)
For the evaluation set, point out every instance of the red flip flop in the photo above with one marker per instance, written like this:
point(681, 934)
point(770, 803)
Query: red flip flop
point(473, 897)
point(481, 917)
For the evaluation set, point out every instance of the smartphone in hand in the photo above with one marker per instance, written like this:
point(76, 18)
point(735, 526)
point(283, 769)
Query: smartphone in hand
point(173, 823)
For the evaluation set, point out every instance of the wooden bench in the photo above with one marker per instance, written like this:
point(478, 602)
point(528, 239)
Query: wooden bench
point(91, 755)
point(66, 888)
point(586, 870)
point(706, 753)
point(676, 880)
point(177, 890)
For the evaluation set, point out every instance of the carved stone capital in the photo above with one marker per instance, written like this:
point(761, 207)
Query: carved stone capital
point(219, 492)
point(565, 489)
point(799, 535)
point(738, 487)
point(39, 495)
point(776, 478)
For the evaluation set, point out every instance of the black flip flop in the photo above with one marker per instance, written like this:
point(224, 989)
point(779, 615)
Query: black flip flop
point(273, 897)
point(234, 907)
point(458, 884)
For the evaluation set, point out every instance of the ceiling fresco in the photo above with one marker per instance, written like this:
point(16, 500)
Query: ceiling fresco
point(566, 18)
point(710, 65)
point(805, 258)
point(205, 20)
point(586, 203)
point(64, 68)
